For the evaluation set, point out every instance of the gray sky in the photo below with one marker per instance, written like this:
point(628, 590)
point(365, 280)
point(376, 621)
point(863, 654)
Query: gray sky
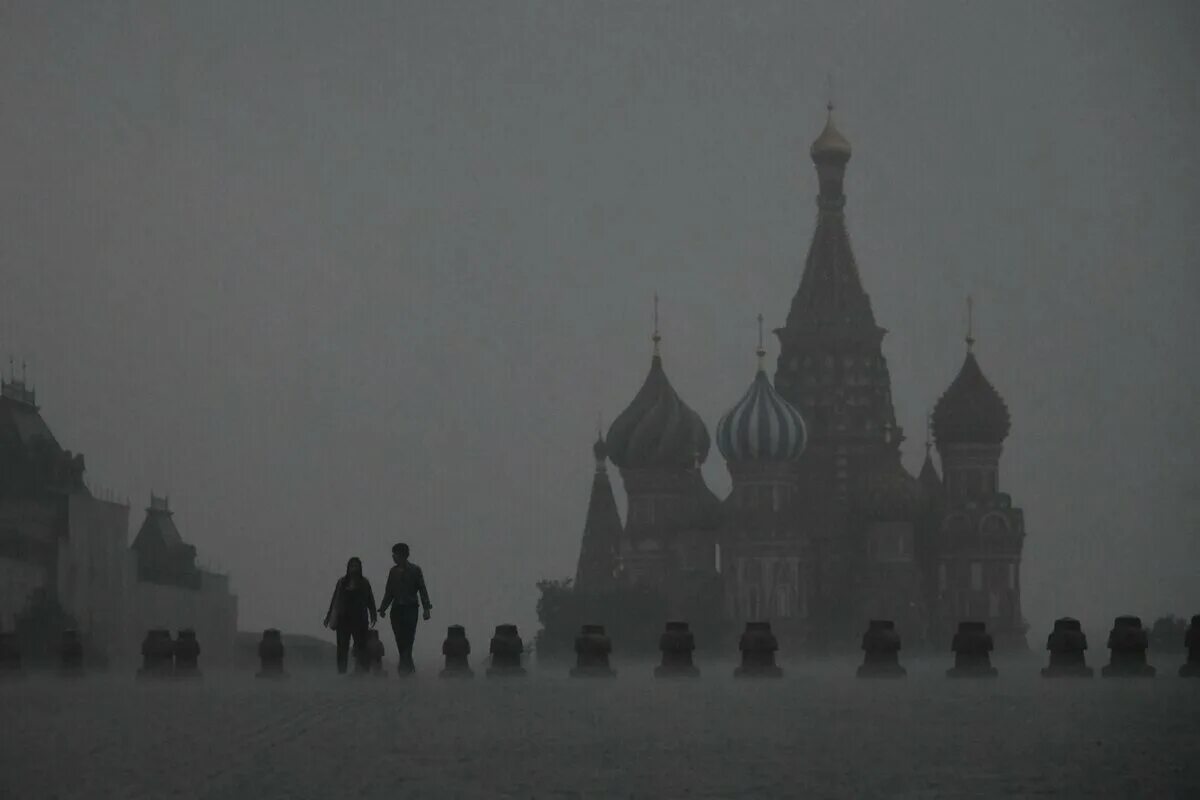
point(336, 275)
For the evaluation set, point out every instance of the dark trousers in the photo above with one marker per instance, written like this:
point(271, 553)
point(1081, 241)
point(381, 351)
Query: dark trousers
point(404, 626)
point(348, 629)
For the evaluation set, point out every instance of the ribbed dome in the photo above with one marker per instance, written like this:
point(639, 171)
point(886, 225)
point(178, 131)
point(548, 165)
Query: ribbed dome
point(830, 145)
point(762, 426)
point(971, 411)
point(657, 429)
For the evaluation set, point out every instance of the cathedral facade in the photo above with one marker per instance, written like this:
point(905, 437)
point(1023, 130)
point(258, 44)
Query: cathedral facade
point(823, 528)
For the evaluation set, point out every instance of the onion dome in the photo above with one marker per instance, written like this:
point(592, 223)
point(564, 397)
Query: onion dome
point(762, 426)
point(971, 411)
point(831, 145)
point(658, 429)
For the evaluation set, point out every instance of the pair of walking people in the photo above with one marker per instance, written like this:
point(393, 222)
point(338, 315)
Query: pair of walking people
point(352, 609)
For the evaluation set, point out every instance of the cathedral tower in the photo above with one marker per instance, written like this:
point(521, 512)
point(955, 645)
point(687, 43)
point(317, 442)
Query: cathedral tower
point(658, 442)
point(831, 365)
point(980, 536)
point(766, 562)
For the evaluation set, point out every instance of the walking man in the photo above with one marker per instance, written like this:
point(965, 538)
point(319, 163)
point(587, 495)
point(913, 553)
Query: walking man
point(404, 583)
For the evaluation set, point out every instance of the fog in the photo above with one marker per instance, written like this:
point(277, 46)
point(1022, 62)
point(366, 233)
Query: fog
point(334, 276)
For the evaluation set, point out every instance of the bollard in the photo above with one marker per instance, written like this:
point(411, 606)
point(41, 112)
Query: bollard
point(70, 654)
point(1067, 643)
point(592, 648)
point(270, 655)
point(456, 648)
point(506, 649)
point(972, 648)
point(372, 654)
point(1191, 640)
point(677, 644)
point(10, 656)
point(1127, 645)
point(157, 654)
point(881, 651)
point(758, 646)
point(187, 654)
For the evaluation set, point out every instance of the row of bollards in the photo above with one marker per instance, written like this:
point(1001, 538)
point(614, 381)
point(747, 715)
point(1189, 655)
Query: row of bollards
point(972, 645)
point(70, 654)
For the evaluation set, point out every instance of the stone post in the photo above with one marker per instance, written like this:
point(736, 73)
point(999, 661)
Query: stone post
point(972, 648)
point(187, 654)
point(270, 654)
point(881, 651)
point(456, 648)
point(1127, 645)
point(592, 649)
point(373, 653)
point(506, 649)
point(158, 652)
point(1067, 643)
point(758, 646)
point(677, 644)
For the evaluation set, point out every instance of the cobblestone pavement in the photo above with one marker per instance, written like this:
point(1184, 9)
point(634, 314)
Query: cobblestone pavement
point(816, 733)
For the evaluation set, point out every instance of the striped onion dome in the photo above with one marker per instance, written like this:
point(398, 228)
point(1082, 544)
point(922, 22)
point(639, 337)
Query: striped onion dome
point(658, 430)
point(762, 426)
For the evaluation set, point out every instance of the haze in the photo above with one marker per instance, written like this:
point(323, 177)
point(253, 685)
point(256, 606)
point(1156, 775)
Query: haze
point(334, 276)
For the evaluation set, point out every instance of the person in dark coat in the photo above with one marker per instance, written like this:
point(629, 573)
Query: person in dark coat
point(405, 583)
point(351, 613)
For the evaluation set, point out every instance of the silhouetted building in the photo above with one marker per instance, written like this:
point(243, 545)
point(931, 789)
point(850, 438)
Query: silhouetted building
point(57, 537)
point(976, 553)
point(162, 554)
point(824, 526)
point(170, 590)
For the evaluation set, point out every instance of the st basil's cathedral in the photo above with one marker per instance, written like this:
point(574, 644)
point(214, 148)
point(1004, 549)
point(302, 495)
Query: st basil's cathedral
point(823, 528)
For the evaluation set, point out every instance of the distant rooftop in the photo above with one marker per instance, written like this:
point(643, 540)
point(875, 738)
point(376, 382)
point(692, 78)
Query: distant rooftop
point(15, 390)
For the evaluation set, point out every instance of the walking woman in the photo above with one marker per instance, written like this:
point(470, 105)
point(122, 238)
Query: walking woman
point(351, 612)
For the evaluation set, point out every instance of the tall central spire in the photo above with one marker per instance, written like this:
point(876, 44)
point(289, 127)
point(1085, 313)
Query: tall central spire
point(831, 366)
point(831, 295)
